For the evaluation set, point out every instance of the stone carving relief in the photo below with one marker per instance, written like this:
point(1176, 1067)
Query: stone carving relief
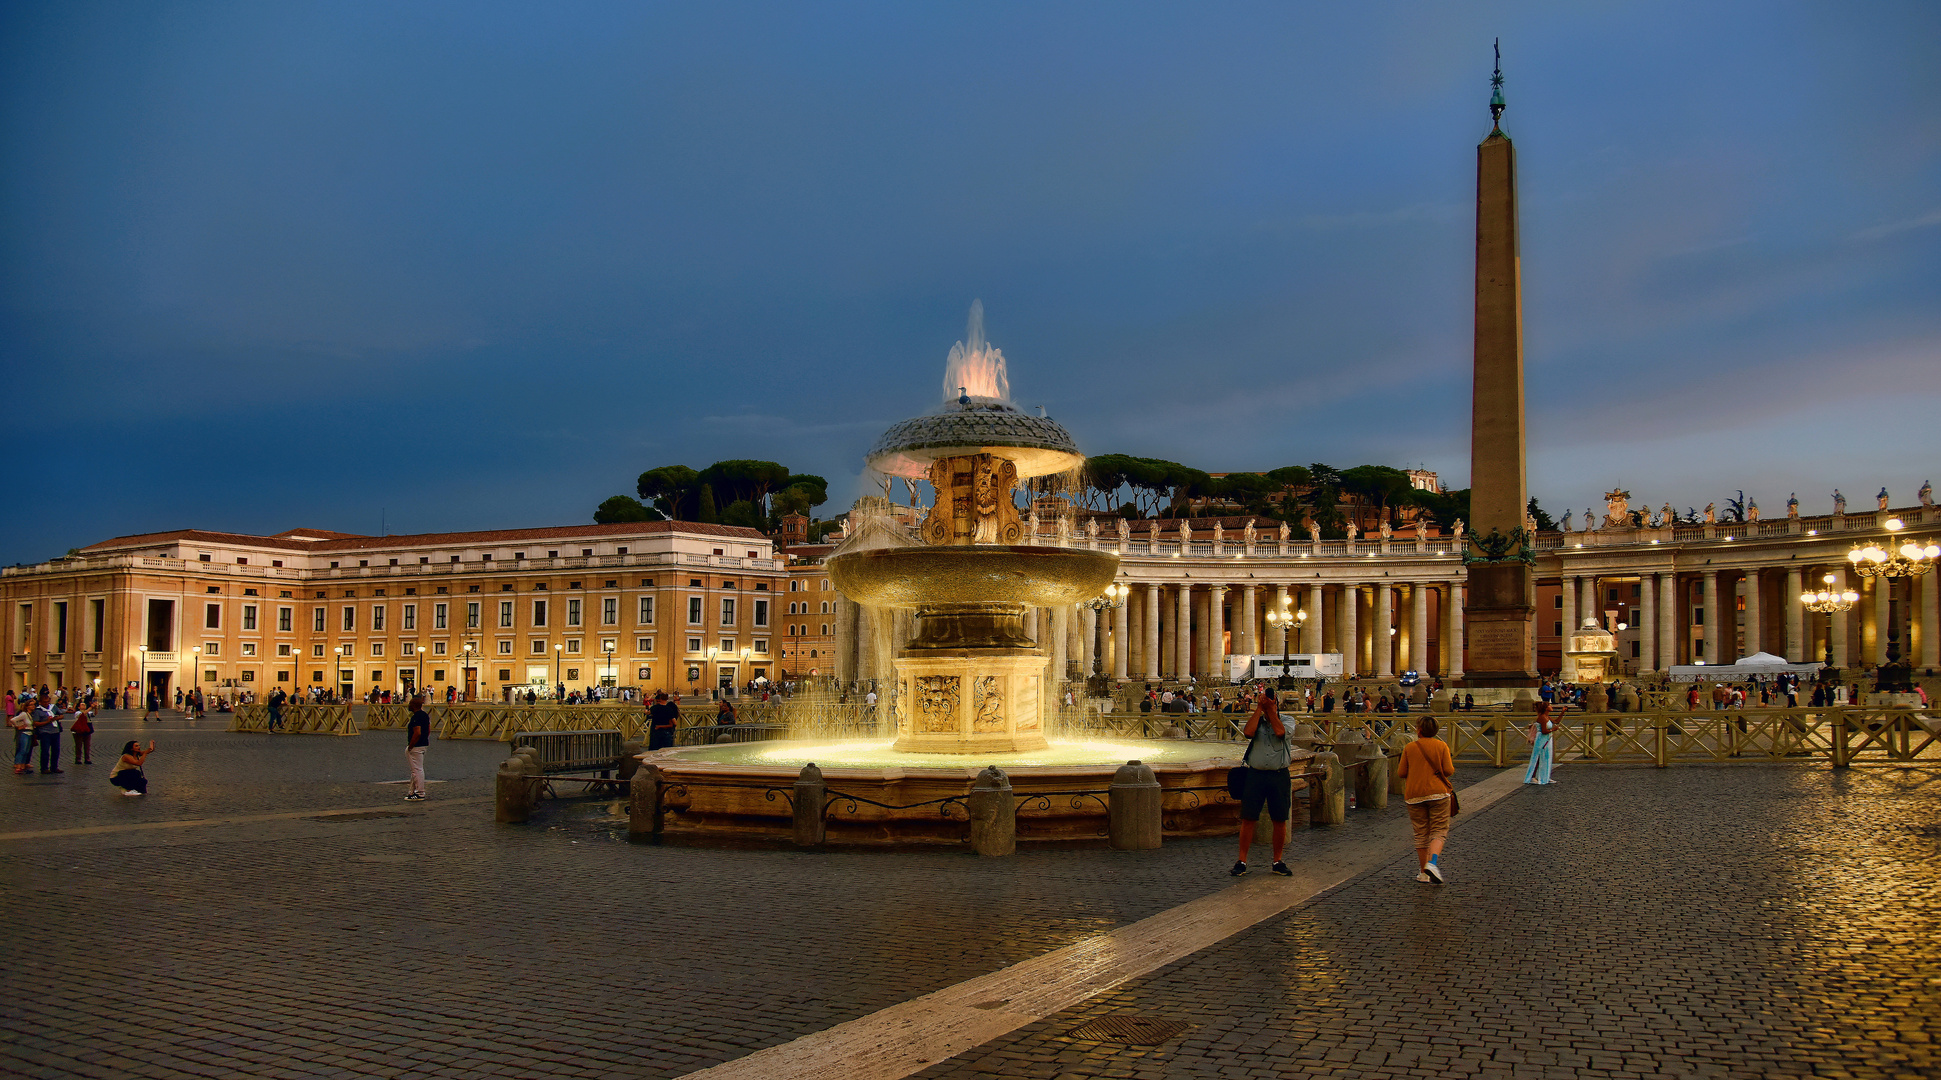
point(987, 698)
point(937, 697)
point(1617, 509)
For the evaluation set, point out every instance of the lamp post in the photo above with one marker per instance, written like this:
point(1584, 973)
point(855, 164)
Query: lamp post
point(344, 689)
point(143, 688)
point(1288, 621)
point(1097, 685)
point(469, 681)
point(707, 672)
point(559, 652)
point(195, 676)
point(610, 673)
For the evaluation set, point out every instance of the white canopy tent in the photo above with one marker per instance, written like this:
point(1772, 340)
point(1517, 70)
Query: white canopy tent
point(1759, 663)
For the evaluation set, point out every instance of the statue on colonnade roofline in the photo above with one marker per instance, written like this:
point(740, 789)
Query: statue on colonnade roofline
point(1125, 531)
point(1565, 523)
point(1792, 505)
point(1711, 515)
point(1883, 498)
point(1287, 531)
point(1752, 510)
point(1590, 519)
point(1666, 516)
point(1092, 528)
point(1617, 509)
point(1839, 502)
point(1313, 529)
point(1350, 527)
point(1185, 531)
point(1455, 529)
point(1387, 530)
point(1927, 493)
point(1250, 536)
point(1219, 533)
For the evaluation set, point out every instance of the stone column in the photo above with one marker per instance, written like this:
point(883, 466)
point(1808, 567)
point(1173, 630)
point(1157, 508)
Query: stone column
point(1249, 620)
point(1668, 621)
point(845, 666)
point(1716, 620)
point(1452, 642)
point(1378, 631)
point(1311, 632)
point(1647, 623)
point(1754, 639)
point(1883, 619)
point(1930, 620)
point(1089, 624)
point(1568, 666)
point(1350, 641)
point(1216, 634)
point(1183, 634)
point(1060, 641)
point(1840, 632)
point(1279, 642)
point(1151, 660)
point(1419, 629)
point(1795, 615)
point(1122, 640)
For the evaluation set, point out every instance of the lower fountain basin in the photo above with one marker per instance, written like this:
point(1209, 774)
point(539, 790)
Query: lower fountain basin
point(881, 797)
point(945, 575)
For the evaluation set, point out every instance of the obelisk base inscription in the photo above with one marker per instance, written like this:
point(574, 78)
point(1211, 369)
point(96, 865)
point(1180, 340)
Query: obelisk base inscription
point(1499, 625)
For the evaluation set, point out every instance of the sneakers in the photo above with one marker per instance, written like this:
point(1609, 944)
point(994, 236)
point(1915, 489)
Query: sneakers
point(1434, 872)
point(415, 796)
point(1281, 869)
point(1239, 868)
point(131, 793)
point(1423, 876)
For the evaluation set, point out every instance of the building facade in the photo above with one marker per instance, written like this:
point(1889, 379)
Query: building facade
point(676, 606)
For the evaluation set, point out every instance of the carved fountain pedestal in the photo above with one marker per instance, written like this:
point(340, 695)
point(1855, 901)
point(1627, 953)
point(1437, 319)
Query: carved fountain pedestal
point(970, 701)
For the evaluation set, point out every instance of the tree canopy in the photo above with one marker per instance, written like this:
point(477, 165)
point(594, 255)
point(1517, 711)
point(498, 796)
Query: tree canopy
point(740, 491)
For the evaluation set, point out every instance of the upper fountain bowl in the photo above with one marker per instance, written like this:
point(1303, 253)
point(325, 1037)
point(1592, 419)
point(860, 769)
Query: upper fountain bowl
point(1037, 445)
point(925, 576)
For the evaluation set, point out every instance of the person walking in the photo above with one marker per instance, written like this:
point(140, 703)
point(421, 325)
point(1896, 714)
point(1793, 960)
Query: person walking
point(417, 736)
point(1267, 783)
point(1428, 772)
point(83, 731)
point(128, 774)
point(21, 721)
point(277, 698)
point(47, 732)
point(1540, 748)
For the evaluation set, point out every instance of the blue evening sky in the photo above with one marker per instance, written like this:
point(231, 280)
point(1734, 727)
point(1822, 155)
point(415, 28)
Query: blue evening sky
point(477, 265)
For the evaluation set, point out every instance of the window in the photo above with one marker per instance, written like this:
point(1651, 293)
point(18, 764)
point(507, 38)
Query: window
point(205, 556)
point(539, 612)
point(754, 555)
point(573, 612)
point(283, 619)
point(727, 584)
point(825, 608)
point(505, 613)
point(249, 592)
point(472, 615)
point(646, 673)
point(1557, 629)
point(645, 616)
point(505, 674)
point(438, 649)
point(410, 647)
point(377, 648)
point(517, 555)
point(644, 644)
point(761, 645)
point(438, 616)
point(727, 611)
point(727, 645)
point(574, 585)
point(410, 616)
point(249, 676)
point(572, 645)
point(505, 649)
point(1698, 616)
point(539, 648)
point(249, 616)
point(317, 649)
point(317, 620)
point(283, 649)
point(438, 674)
point(350, 618)
point(761, 613)
point(825, 584)
point(212, 648)
point(825, 629)
point(610, 611)
point(1560, 600)
point(394, 562)
point(211, 616)
point(694, 644)
point(694, 611)
point(284, 675)
point(377, 619)
point(612, 584)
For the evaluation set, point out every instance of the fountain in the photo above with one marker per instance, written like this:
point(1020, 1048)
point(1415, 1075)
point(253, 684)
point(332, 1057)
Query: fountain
point(971, 687)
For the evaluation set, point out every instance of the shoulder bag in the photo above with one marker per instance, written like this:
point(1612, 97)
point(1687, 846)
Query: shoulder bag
point(1237, 776)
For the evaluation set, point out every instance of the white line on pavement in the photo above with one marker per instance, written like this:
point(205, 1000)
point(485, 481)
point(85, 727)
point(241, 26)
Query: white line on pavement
point(907, 1038)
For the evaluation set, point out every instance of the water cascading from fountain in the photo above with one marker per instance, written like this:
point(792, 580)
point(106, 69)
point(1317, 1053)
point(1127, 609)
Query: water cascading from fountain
point(975, 367)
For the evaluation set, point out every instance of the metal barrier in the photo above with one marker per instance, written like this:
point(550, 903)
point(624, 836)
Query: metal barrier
point(705, 734)
point(479, 720)
point(573, 751)
point(297, 720)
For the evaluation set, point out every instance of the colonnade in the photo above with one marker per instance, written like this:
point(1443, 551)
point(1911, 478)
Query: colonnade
point(1719, 614)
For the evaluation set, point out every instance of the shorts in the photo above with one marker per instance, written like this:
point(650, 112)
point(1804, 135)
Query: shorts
point(1431, 821)
point(1272, 788)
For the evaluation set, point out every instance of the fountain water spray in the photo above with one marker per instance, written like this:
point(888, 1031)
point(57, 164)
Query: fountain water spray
point(975, 367)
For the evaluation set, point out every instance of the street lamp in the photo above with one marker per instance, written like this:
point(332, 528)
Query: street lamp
point(344, 689)
point(1113, 598)
point(143, 688)
point(1288, 621)
point(610, 673)
point(559, 651)
point(1911, 559)
point(469, 681)
point(714, 651)
point(195, 676)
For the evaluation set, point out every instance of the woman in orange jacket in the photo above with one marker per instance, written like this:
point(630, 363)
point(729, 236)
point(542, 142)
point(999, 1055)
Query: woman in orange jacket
point(1428, 773)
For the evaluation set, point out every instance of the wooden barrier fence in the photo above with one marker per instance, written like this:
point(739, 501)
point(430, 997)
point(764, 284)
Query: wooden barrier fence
point(297, 719)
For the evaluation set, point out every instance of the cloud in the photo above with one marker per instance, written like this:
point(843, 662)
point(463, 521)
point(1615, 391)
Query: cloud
point(1927, 220)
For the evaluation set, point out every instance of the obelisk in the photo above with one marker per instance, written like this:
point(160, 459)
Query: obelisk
point(1501, 602)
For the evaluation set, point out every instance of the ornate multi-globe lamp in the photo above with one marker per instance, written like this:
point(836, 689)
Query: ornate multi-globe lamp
point(1910, 559)
point(1829, 598)
point(1286, 620)
point(1098, 684)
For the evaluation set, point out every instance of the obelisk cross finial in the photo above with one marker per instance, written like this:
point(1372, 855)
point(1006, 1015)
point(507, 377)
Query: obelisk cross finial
point(1496, 90)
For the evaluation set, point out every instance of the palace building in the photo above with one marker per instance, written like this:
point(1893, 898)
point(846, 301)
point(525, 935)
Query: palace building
point(677, 606)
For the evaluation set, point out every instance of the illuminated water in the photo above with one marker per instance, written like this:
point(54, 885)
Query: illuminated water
point(878, 754)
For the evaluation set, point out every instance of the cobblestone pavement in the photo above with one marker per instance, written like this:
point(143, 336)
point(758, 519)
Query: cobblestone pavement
point(1725, 921)
point(1756, 918)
